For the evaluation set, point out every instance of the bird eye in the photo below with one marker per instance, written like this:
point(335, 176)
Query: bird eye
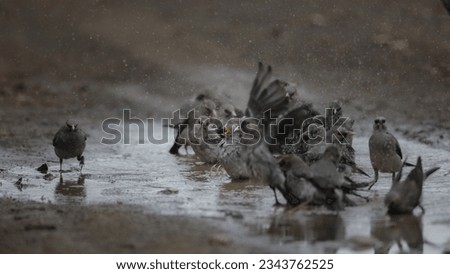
point(383, 121)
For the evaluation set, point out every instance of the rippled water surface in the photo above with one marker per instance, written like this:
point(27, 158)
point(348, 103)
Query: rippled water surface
point(148, 176)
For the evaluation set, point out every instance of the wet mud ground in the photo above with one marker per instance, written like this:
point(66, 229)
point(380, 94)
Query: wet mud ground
point(144, 178)
point(139, 198)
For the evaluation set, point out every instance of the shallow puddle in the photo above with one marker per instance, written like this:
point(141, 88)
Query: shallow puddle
point(148, 176)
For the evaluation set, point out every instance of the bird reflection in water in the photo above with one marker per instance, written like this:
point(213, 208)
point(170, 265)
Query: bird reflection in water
point(70, 189)
point(398, 229)
point(312, 229)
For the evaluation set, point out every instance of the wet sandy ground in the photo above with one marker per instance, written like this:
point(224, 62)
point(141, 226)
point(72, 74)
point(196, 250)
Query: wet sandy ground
point(155, 183)
point(90, 62)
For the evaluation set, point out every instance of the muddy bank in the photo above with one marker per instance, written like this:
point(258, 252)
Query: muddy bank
point(43, 228)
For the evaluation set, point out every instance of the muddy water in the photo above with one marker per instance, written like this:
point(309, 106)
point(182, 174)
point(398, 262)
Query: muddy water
point(148, 176)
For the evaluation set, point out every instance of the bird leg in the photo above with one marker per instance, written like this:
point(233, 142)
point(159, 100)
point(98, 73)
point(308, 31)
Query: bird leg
point(375, 180)
point(422, 208)
point(400, 246)
point(178, 140)
point(60, 165)
point(174, 149)
point(81, 160)
point(277, 203)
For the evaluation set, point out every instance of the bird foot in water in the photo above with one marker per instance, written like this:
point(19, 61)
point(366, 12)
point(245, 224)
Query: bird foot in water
point(216, 168)
point(421, 208)
point(278, 204)
point(81, 160)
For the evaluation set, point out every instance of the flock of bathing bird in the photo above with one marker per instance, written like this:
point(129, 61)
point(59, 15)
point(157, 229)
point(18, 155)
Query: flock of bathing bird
point(285, 143)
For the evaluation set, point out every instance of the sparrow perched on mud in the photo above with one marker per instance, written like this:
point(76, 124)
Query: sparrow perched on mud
point(69, 142)
point(385, 153)
point(404, 197)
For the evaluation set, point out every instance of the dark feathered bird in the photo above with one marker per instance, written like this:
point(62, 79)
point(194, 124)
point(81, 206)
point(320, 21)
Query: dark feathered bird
point(256, 158)
point(318, 184)
point(385, 152)
point(204, 140)
point(268, 102)
point(230, 153)
point(70, 142)
point(244, 151)
point(200, 107)
point(326, 176)
point(274, 96)
point(405, 196)
point(291, 128)
point(299, 189)
point(338, 137)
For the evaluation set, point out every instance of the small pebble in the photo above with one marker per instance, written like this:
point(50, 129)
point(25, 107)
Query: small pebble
point(43, 168)
point(168, 191)
point(49, 176)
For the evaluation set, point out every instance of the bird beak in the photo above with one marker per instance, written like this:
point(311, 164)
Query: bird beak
point(351, 133)
point(214, 113)
point(72, 128)
point(234, 114)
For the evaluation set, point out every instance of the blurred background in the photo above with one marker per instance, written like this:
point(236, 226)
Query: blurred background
point(361, 52)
